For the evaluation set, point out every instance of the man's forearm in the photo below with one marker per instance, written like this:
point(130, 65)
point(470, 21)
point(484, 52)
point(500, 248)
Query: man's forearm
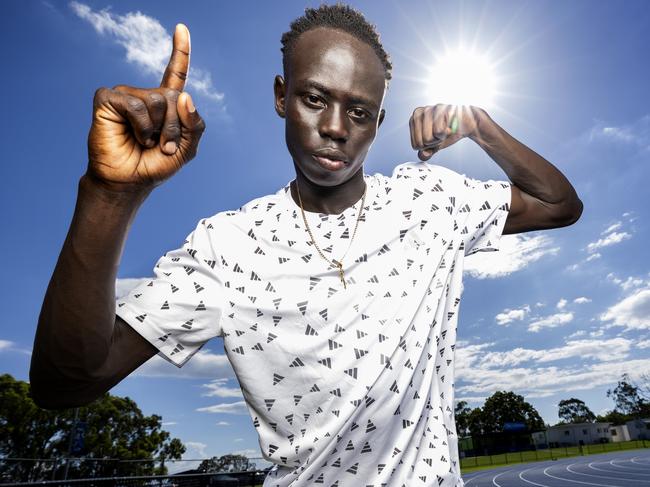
point(77, 318)
point(529, 171)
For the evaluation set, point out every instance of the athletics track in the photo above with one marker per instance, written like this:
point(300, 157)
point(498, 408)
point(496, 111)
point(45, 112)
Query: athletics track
point(614, 469)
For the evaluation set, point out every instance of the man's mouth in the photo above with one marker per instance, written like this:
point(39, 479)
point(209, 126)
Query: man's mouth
point(330, 159)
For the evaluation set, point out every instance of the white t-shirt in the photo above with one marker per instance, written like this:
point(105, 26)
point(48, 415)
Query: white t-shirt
point(346, 387)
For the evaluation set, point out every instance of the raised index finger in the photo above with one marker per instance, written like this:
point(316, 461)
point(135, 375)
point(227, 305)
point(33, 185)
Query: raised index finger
point(179, 62)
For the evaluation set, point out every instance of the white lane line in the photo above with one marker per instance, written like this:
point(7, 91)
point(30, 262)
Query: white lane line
point(478, 475)
point(615, 463)
point(530, 481)
point(625, 470)
point(494, 479)
point(603, 476)
point(633, 460)
point(578, 481)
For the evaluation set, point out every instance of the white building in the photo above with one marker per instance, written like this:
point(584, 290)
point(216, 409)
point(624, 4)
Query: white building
point(619, 433)
point(590, 433)
point(573, 435)
point(639, 429)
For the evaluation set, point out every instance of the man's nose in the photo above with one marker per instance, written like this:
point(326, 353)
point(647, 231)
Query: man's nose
point(334, 124)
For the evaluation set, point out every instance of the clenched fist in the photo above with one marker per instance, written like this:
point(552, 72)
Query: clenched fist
point(140, 137)
point(439, 126)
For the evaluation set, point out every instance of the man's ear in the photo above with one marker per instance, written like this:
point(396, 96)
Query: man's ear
point(382, 114)
point(278, 90)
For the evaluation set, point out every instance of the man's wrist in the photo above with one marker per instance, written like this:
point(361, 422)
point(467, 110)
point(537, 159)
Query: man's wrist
point(483, 125)
point(126, 195)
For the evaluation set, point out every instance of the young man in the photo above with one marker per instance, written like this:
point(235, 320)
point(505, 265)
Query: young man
point(337, 297)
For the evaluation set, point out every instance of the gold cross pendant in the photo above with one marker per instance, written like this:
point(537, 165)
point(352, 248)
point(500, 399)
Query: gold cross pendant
point(341, 275)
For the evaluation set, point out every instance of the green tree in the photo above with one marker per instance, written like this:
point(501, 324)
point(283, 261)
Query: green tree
point(475, 422)
point(507, 407)
point(628, 400)
point(114, 428)
point(461, 415)
point(614, 417)
point(575, 411)
point(226, 463)
point(644, 388)
point(26, 431)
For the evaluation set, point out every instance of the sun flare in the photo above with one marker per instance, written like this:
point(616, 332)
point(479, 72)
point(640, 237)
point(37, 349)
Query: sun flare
point(462, 77)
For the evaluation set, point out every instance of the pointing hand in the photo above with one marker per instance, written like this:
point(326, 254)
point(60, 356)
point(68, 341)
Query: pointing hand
point(139, 137)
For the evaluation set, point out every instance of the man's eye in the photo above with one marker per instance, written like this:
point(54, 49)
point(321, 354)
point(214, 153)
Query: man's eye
point(313, 100)
point(358, 113)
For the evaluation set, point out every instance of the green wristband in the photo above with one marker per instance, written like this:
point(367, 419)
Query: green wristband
point(454, 124)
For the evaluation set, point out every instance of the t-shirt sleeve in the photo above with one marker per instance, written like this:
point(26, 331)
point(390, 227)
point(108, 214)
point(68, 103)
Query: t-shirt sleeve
point(483, 211)
point(479, 209)
point(180, 308)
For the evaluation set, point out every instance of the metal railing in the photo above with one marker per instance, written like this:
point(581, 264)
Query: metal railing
point(225, 479)
point(549, 453)
point(107, 472)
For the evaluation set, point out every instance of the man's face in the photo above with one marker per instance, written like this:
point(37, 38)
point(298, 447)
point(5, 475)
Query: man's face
point(331, 101)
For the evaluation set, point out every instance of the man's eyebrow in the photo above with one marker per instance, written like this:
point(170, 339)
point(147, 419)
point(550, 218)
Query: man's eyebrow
point(356, 99)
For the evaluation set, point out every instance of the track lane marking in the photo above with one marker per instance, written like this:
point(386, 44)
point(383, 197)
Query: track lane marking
point(590, 465)
point(494, 481)
point(602, 476)
point(530, 481)
point(578, 481)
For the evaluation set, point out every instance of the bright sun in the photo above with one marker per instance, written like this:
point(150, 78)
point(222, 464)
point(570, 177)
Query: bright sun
point(462, 77)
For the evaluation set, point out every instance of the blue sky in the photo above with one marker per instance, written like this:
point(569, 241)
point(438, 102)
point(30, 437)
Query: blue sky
point(556, 314)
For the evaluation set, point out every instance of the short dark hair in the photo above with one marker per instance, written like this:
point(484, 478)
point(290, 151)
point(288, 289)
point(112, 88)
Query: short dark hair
point(338, 16)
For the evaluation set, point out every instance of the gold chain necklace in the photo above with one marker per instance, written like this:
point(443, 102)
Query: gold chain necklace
point(334, 263)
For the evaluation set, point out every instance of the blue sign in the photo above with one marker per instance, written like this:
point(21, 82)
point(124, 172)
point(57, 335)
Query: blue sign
point(514, 426)
point(78, 437)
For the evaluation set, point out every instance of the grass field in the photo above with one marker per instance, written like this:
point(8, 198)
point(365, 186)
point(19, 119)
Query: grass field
point(470, 464)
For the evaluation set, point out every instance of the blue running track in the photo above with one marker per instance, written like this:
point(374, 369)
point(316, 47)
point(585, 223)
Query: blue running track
point(616, 469)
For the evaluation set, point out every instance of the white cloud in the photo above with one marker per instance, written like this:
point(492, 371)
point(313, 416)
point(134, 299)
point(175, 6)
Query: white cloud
point(203, 364)
point(577, 333)
point(632, 282)
point(618, 133)
point(611, 239)
point(601, 350)
point(481, 372)
point(643, 344)
point(633, 312)
point(575, 267)
point(195, 449)
point(582, 300)
point(551, 321)
point(627, 284)
point(9, 346)
point(510, 315)
point(515, 253)
point(222, 423)
point(612, 227)
point(148, 45)
point(169, 423)
point(561, 304)
point(251, 453)
point(634, 134)
point(238, 407)
point(218, 388)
